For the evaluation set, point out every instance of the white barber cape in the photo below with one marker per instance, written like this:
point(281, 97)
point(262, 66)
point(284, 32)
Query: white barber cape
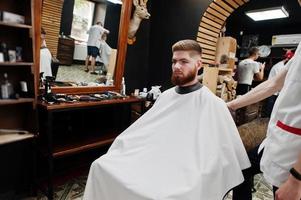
point(186, 147)
point(105, 52)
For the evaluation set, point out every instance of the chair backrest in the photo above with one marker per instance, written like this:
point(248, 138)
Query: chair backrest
point(253, 133)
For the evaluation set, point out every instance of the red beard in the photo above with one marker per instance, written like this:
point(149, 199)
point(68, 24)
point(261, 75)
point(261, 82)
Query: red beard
point(178, 78)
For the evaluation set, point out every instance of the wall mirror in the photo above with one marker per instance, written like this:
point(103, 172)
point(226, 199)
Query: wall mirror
point(66, 23)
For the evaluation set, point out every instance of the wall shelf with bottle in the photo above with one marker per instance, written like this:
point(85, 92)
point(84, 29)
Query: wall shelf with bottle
point(25, 64)
point(8, 136)
point(19, 61)
point(16, 101)
point(16, 25)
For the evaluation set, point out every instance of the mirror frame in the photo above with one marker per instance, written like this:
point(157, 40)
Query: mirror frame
point(125, 16)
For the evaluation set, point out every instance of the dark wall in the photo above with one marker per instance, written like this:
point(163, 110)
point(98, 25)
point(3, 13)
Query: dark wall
point(67, 17)
point(238, 21)
point(112, 23)
point(137, 58)
point(149, 60)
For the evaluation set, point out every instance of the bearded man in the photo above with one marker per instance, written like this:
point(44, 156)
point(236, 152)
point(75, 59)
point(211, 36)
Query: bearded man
point(185, 147)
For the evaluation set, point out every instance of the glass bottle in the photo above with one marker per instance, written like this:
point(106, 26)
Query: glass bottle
point(122, 92)
point(7, 90)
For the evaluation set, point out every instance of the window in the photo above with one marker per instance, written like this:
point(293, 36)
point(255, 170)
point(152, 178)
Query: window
point(82, 19)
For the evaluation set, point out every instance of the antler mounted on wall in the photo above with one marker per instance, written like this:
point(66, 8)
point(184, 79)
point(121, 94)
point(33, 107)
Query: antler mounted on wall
point(140, 13)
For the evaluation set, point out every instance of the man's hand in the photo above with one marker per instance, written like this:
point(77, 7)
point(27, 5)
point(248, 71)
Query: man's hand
point(290, 190)
point(262, 66)
point(230, 106)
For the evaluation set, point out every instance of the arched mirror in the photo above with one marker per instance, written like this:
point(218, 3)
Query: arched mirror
point(66, 23)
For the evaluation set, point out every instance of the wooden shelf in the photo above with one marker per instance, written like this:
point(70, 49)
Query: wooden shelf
point(84, 143)
point(15, 101)
point(225, 69)
point(84, 104)
point(6, 138)
point(16, 25)
point(16, 63)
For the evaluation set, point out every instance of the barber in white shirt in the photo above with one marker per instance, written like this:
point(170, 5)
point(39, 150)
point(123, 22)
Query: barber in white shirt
point(45, 56)
point(277, 68)
point(281, 150)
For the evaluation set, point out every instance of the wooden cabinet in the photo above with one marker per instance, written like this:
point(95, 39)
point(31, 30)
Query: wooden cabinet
point(20, 39)
point(19, 60)
point(219, 78)
point(72, 128)
point(65, 51)
point(226, 46)
point(220, 82)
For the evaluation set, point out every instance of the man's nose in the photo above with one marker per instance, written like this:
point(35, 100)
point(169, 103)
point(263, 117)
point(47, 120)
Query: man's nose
point(177, 65)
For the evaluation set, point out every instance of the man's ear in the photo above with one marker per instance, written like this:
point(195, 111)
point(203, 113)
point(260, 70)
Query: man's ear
point(199, 64)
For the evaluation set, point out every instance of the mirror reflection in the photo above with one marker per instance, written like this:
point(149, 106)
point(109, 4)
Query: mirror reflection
point(85, 50)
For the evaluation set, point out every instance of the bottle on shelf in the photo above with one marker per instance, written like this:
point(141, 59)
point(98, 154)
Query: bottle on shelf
point(24, 89)
point(123, 91)
point(7, 90)
point(4, 51)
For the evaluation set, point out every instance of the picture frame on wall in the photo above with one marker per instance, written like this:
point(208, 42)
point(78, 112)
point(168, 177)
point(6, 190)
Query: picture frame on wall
point(248, 41)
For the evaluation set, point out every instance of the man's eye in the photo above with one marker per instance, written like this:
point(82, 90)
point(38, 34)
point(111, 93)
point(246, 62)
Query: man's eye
point(184, 62)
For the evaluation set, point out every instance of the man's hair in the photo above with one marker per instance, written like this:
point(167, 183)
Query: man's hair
point(253, 51)
point(187, 45)
point(43, 31)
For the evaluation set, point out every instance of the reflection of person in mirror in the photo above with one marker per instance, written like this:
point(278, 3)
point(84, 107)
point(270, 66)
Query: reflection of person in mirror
point(185, 147)
point(45, 56)
point(247, 69)
point(94, 40)
point(104, 53)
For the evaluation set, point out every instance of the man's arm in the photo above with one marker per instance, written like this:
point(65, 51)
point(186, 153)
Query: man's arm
point(259, 76)
point(262, 91)
point(106, 31)
point(291, 189)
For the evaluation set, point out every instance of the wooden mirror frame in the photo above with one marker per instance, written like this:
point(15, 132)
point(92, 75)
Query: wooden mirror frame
point(125, 16)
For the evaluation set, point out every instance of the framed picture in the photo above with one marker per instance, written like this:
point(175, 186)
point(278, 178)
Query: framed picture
point(248, 41)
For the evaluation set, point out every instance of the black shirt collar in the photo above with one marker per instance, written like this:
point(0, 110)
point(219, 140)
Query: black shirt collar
point(188, 89)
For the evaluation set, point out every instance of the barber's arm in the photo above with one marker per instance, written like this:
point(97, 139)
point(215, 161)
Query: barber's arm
point(291, 189)
point(262, 91)
point(259, 76)
point(106, 31)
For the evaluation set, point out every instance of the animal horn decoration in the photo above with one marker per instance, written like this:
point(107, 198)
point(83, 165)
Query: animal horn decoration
point(140, 13)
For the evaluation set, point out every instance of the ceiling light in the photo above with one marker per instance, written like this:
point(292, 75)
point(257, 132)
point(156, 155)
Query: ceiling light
point(268, 13)
point(115, 1)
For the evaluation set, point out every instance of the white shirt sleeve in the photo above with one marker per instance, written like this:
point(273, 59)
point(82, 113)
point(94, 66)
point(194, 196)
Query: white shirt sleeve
point(256, 67)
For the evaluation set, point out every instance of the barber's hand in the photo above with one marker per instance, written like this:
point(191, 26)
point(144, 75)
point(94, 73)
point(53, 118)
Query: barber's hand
point(290, 190)
point(263, 66)
point(230, 106)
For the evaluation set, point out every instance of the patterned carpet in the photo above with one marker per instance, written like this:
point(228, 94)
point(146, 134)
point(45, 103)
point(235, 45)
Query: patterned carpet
point(76, 74)
point(263, 189)
point(74, 189)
